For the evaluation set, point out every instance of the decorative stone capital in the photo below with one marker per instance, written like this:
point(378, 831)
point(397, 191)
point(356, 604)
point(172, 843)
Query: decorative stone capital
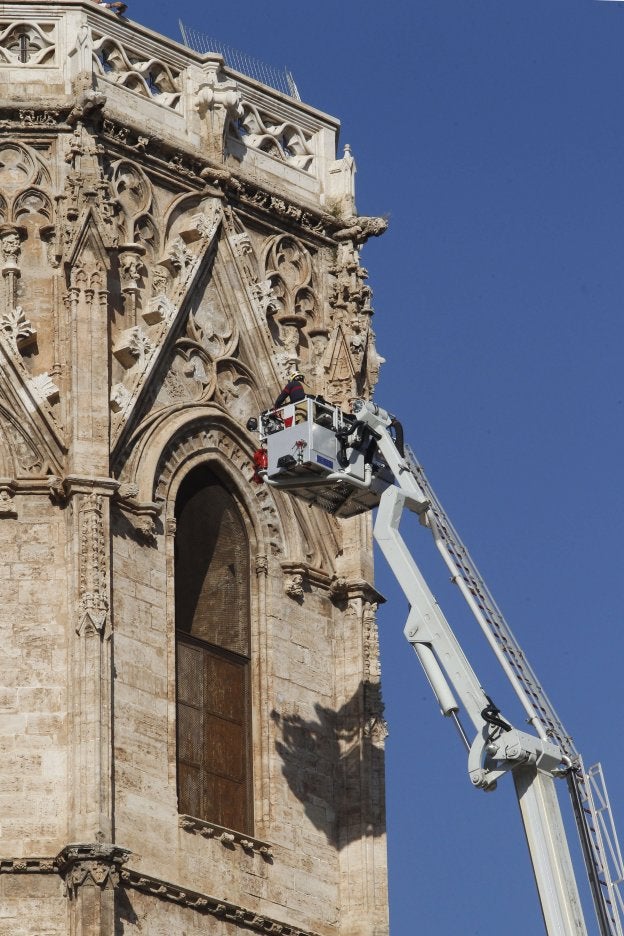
point(92, 864)
point(131, 267)
point(11, 237)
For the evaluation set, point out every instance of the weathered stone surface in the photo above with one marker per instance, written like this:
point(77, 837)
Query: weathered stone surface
point(174, 239)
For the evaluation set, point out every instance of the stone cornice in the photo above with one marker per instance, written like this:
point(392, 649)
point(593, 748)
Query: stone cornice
point(223, 181)
point(202, 903)
point(171, 159)
point(227, 837)
point(77, 861)
point(365, 591)
point(28, 866)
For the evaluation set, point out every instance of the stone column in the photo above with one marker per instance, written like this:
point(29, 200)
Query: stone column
point(91, 874)
point(90, 664)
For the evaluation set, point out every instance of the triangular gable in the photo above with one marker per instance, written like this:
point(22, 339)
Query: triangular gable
point(218, 347)
point(26, 419)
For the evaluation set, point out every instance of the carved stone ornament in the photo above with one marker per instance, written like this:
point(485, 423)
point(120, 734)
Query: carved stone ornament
point(262, 565)
point(117, 61)
point(218, 102)
point(339, 589)
point(88, 106)
point(10, 245)
point(93, 864)
point(227, 837)
point(239, 917)
point(40, 40)
point(7, 494)
point(18, 329)
point(293, 586)
point(359, 228)
point(93, 585)
point(290, 301)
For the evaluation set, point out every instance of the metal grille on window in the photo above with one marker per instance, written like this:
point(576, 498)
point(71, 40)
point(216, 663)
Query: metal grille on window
point(212, 642)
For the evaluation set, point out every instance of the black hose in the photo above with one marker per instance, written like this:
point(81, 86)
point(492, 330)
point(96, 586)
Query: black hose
point(398, 436)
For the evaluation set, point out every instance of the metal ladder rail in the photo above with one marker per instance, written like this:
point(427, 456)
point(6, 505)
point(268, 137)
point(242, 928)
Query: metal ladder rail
point(496, 622)
point(603, 818)
point(600, 845)
point(595, 824)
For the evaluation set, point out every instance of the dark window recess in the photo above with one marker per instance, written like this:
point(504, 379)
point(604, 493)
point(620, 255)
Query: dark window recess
point(24, 48)
point(105, 61)
point(212, 650)
point(152, 84)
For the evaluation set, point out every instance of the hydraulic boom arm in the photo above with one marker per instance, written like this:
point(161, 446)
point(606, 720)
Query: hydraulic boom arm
point(349, 463)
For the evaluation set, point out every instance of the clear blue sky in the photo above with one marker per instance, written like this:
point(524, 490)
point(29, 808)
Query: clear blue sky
point(492, 135)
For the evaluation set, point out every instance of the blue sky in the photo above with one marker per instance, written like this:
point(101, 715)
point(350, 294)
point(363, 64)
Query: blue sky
point(491, 134)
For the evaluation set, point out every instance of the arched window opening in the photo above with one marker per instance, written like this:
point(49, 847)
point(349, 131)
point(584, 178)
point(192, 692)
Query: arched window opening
point(212, 610)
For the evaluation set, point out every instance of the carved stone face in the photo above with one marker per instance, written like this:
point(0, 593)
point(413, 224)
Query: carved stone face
point(10, 245)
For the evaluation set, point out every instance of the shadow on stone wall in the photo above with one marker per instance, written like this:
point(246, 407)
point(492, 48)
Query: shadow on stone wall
point(334, 764)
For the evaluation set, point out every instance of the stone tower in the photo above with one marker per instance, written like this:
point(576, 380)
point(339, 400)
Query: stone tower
point(191, 728)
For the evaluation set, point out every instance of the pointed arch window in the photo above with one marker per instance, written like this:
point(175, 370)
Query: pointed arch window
point(212, 609)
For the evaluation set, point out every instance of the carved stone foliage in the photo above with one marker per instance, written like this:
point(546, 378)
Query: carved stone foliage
point(236, 389)
point(27, 43)
point(271, 134)
point(227, 837)
point(189, 374)
point(232, 916)
point(120, 64)
point(93, 584)
point(291, 304)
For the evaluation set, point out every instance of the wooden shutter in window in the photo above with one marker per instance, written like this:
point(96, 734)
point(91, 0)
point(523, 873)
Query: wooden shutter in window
point(212, 640)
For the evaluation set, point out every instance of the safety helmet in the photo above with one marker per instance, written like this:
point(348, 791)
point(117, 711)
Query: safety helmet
point(296, 375)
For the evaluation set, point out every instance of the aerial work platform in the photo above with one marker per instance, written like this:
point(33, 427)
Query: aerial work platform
point(324, 456)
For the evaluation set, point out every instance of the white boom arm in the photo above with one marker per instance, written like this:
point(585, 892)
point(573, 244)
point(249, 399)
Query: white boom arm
point(495, 750)
point(317, 452)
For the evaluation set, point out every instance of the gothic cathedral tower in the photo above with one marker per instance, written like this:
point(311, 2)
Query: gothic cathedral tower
point(191, 726)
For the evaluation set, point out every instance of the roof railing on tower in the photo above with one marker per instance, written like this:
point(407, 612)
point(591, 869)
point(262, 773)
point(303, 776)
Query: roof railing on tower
point(280, 79)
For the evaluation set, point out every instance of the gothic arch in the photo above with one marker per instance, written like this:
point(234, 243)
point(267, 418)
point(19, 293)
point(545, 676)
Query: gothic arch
point(185, 436)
